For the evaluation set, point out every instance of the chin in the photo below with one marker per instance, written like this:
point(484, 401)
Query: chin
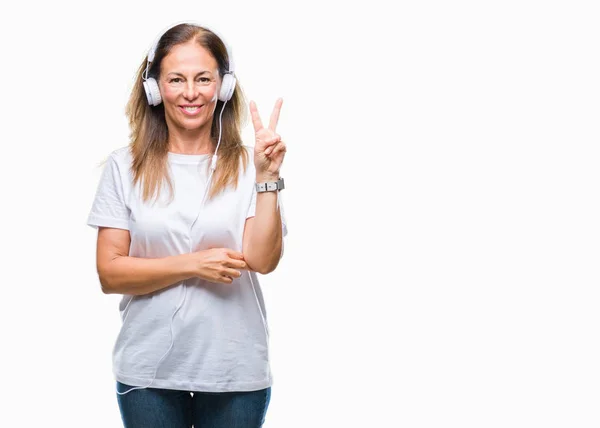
point(192, 126)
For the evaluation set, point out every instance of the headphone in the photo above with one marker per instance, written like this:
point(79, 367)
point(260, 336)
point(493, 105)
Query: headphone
point(151, 85)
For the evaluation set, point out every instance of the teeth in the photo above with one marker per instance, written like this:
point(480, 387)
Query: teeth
point(191, 108)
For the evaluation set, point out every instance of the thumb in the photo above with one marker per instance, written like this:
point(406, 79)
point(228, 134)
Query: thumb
point(236, 255)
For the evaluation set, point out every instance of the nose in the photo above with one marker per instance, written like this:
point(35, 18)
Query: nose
point(190, 91)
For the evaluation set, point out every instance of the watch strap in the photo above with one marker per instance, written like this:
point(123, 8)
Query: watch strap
point(270, 186)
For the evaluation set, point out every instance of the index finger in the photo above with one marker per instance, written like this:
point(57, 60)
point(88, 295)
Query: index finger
point(275, 114)
point(255, 117)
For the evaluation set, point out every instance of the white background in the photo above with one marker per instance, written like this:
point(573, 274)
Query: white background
point(441, 267)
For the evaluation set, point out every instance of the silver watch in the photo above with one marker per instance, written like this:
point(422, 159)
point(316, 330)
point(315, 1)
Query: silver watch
point(270, 186)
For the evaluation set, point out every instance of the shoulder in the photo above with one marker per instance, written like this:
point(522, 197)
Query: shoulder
point(250, 151)
point(117, 165)
point(120, 160)
point(121, 156)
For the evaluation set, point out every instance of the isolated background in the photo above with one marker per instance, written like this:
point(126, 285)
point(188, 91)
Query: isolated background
point(441, 267)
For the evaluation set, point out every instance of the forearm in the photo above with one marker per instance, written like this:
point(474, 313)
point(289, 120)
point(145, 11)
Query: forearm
point(264, 249)
point(138, 276)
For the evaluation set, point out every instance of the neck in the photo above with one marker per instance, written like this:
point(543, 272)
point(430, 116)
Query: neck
point(191, 142)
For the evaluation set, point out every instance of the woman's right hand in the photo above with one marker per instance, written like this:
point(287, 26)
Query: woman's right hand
point(218, 265)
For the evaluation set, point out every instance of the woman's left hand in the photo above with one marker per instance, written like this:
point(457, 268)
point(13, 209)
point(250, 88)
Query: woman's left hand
point(269, 150)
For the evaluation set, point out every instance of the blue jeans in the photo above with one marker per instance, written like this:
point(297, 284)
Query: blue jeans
point(168, 408)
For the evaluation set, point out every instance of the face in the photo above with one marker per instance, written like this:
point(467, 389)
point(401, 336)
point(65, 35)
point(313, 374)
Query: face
point(189, 84)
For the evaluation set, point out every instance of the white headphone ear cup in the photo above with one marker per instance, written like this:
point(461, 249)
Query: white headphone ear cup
point(152, 92)
point(227, 87)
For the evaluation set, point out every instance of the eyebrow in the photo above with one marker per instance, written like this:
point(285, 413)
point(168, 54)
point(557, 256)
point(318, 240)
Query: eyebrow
point(180, 74)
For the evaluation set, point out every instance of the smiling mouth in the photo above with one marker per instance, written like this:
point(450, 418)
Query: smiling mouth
point(190, 110)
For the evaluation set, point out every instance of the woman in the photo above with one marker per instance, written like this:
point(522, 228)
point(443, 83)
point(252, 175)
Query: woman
point(181, 236)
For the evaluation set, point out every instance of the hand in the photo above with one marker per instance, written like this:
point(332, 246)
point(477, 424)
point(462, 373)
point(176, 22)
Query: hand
point(269, 150)
point(217, 264)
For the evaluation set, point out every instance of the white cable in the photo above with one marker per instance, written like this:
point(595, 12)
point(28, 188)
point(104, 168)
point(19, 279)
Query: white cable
point(260, 311)
point(264, 321)
point(212, 168)
point(256, 296)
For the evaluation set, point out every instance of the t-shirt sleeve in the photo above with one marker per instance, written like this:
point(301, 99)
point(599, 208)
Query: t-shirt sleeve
point(109, 208)
point(252, 210)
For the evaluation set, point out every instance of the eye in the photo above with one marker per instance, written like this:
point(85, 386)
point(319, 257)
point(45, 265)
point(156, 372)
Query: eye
point(175, 80)
point(203, 79)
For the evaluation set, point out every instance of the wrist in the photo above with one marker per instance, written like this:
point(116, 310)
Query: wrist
point(185, 264)
point(263, 177)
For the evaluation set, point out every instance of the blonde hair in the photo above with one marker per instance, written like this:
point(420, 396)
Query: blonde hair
point(149, 132)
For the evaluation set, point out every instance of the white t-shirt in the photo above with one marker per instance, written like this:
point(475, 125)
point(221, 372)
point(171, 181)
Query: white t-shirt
point(220, 342)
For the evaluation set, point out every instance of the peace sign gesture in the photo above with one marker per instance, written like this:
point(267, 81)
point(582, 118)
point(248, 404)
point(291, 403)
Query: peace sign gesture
point(269, 150)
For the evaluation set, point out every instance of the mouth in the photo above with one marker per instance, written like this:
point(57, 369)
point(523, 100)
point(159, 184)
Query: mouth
point(190, 109)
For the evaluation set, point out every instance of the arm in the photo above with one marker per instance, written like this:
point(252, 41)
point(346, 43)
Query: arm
point(263, 234)
point(121, 274)
point(262, 242)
